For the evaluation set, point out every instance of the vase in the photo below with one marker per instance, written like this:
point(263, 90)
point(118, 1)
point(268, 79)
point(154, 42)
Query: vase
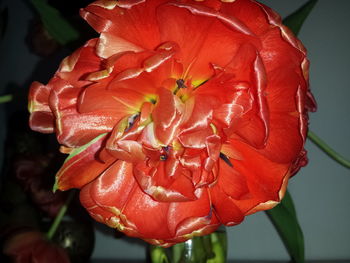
point(211, 248)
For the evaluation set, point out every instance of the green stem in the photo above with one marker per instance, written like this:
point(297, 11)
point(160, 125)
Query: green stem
point(158, 255)
point(59, 216)
point(6, 98)
point(328, 150)
point(219, 244)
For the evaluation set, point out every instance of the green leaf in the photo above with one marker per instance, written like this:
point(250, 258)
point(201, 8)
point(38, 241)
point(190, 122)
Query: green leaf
point(56, 25)
point(6, 98)
point(295, 20)
point(284, 218)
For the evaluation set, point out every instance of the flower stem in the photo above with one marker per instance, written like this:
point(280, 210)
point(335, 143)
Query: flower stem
point(6, 98)
point(328, 150)
point(158, 255)
point(55, 224)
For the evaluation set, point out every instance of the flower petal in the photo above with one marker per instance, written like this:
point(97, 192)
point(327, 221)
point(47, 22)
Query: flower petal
point(81, 166)
point(41, 118)
point(168, 182)
point(186, 218)
point(72, 128)
point(264, 178)
point(214, 37)
point(225, 208)
point(148, 215)
point(133, 21)
point(166, 116)
point(80, 63)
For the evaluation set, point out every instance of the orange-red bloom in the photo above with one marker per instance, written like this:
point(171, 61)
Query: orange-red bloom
point(31, 246)
point(183, 115)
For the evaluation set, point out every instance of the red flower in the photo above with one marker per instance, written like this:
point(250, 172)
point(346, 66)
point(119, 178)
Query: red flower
point(32, 247)
point(181, 116)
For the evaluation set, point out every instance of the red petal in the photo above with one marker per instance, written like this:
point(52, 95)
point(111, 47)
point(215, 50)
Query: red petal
point(121, 102)
point(80, 63)
point(195, 139)
point(285, 141)
point(117, 17)
point(274, 52)
point(96, 212)
point(74, 129)
point(281, 89)
point(256, 19)
point(251, 129)
point(114, 186)
point(110, 45)
point(198, 113)
point(214, 37)
point(230, 182)
point(147, 215)
point(264, 177)
point(78, 129)
point(166, 116)
point(81, 166)
point(165, 183)
point(187, 217)
point(41, 118)
point(42, 121)
point(225, 208)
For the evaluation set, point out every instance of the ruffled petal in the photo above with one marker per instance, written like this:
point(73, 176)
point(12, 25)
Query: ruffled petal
point(97, 213)
point(41, 118)
point(147, 215)
point(256, 19)
point(81, 166)
point(120, 102)
point(214, 38)
point(133, 21)
point(285, 141)
point(225, 208)
point(166, 116)
point(72, 128)
point(79, 64)
point(195, 216)
point(275, 49)
point(264, 178)
point(167, 182)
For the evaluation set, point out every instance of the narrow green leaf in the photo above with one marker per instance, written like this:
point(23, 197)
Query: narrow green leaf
point(83, 147)
point(295, 20)
point(284, 218)
point(6, 98)
point(56, 25)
